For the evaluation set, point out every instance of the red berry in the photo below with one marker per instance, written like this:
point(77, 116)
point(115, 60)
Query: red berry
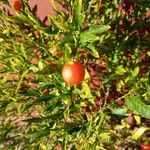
point(145, 146)
point(73, 73)
point(17, 5)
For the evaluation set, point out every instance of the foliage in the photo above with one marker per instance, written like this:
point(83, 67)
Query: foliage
point(38, 110)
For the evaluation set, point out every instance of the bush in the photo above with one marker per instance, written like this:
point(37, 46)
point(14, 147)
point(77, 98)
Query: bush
point(108, 110)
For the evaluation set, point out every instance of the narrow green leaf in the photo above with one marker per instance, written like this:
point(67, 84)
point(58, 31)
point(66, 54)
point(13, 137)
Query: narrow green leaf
point(34, 19)
point(68, 51)
point(32, 93)
point(52, 106)
point(45, 98)
point(119, 85)
point(90, 36)
point(34, 68)
point(135, 104)
point(21, 18)
point(34, 120)
point(65, 141)
point(87, 38)
point(23, 51)
point(76, 91)
point(120, 111)
point(86, 91)
point(139, 132)
point(97, 29)
point(1, 40)
point(41, 65)
point(137, 119)
point(120, 70)
point(20, 81)
point(135, 71)
point(92, 50)
point(57, 24)
point(3, 106)
point(77, 12)
point(65, 40)
point(38, 133)
point(57, 116)
point(38, 101)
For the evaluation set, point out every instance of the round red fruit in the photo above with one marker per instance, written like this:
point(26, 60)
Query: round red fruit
point(145, 146)
point(73, 73)
point(17, 5)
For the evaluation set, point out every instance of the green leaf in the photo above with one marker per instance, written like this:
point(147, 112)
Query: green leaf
point(45, 98)
point(135, 72)
point(35, 20)
point(21, 18)
point(34, 120)
point(135, 104)
point(139, 132)
point(120, 70)
point(34, 68)
point(60, 25)
point(137, 119)
point(21, 79)
point(41, 65)
point(54, 104)
point(7, 32)
point(39, 133)
point(65, 141)
point(120, 111)
point(97, 29)
point(92, 50)
point(67, 53)
point(23, 50)
point(38, 101)
point(65, 40)
point(86, 92)
point(88, 38)
point(3, 106)
point(77, 14)
point(57, 116)
point(76, 91)
point(32, 93)
point(1, 40)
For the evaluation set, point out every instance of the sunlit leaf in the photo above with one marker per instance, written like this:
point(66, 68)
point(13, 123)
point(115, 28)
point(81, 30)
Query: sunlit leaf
point(120, 70)
point(41, 65)
point(97, 29)
point(88, 38)
point(135, 72)
point(86, 91)
point(135, 104)
point(38, 133)
point(120, 111)
point(77, 12)
point(139, 132)
point(93, 51)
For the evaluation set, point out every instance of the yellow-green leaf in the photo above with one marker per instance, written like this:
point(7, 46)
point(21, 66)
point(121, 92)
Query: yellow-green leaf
point(120, 70)
point(135, 72)
point(77, 13)
point(139, 132)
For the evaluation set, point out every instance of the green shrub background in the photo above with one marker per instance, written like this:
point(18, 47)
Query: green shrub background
point(38, 110)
